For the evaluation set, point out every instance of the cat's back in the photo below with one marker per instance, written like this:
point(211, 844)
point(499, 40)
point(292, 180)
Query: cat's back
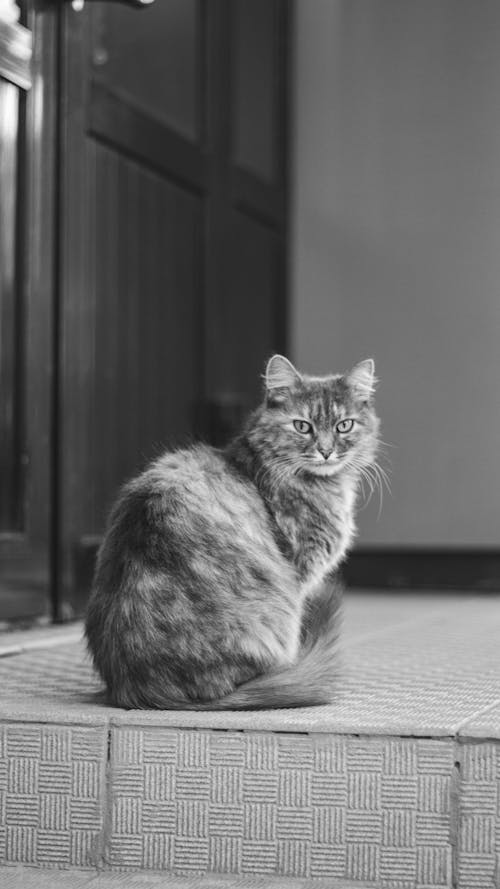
point(202, 480)
point(190, 494)
point(195, 533)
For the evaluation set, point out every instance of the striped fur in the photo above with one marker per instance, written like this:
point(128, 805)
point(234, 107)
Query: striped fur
point(210, 588)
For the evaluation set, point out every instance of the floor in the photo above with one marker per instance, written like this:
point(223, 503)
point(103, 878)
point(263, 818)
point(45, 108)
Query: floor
point(397, 784)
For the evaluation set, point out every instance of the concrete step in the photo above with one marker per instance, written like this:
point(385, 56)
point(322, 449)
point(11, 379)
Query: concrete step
point(396, 785)
point(34, 878)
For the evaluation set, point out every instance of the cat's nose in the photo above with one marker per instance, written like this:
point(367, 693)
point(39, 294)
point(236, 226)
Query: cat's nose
point(325, 452)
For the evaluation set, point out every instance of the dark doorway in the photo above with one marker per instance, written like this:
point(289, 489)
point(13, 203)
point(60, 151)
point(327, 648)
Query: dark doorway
point(170, 234)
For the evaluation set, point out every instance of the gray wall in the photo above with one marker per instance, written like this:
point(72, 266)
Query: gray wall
point(397, 244)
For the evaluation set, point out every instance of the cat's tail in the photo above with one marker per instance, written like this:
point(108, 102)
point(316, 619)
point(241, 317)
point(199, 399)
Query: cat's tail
point(309, 681)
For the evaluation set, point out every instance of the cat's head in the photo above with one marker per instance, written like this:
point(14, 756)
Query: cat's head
point(318, 425)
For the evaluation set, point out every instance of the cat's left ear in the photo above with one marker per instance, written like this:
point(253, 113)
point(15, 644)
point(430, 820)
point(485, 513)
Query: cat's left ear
point(281, 374)
point(280, 377)
point(362, 378)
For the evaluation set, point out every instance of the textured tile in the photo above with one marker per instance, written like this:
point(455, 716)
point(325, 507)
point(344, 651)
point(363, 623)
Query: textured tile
point(479, 817)
point(281, 804)
point(51, 794)
point(368, 613)
point(51, 685)
point(17, 641)
point(426, 674)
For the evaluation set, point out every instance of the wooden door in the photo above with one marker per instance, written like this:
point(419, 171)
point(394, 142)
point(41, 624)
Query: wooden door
point(173, 241)
point(27, 225)
point(246, 293)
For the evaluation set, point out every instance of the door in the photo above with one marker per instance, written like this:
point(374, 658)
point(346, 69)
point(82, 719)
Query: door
point(173, 241)
point(27, 226)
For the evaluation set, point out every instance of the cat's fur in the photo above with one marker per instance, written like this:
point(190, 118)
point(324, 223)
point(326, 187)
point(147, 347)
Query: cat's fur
point(207, 587)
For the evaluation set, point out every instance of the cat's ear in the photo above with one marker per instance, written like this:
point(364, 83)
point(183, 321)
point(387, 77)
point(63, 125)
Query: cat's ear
point(362, 378)
point(281, 374)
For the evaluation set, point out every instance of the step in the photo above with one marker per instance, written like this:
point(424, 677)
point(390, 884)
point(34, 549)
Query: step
point(21, 877)
point(396, 785)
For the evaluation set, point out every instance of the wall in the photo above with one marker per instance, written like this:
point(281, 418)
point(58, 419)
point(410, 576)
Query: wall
point(396, 244)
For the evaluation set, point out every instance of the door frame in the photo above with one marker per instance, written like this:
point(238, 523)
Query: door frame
point(26, 551)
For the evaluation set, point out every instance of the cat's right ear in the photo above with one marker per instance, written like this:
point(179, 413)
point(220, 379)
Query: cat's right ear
point(362, 378)
point(281, 375)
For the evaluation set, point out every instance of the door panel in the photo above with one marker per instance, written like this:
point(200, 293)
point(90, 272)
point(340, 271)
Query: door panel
point(247, 305)
point(133, 210)
point(172, 259)
point(145, 381)
point(149, 58)
point(246, 270)
point(253, 109)
point(249, 322)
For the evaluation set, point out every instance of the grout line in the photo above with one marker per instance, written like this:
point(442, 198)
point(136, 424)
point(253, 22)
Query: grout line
point(107, 814)
point(455, 811)
point(482, 711)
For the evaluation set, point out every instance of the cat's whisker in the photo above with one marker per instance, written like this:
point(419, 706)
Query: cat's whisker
point(384, 476)
point(370, 480)
point(385, 444)
point(382, 468)
point(382, 455)
point(380, 492)
point(382, 480)
point(278, 481)
point(364, 476)
point(274, 476)
point(374, 484)
point(375, 477)
point(367, 497)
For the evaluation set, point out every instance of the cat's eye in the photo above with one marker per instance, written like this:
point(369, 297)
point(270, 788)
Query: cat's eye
point(302, 426)
point(344, 426)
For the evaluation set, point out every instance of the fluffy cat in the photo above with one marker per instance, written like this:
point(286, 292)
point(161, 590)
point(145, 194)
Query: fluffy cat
point(210, 588)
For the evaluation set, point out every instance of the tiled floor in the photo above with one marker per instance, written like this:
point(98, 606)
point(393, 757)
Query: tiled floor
point(394, 785)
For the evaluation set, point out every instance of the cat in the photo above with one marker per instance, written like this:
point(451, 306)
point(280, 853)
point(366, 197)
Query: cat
point(209, 590)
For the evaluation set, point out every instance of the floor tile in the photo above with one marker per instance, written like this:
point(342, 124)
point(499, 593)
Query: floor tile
point(52, 789)
point(365, 810)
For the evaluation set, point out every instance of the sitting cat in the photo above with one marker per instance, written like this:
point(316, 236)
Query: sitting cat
point(207, 586)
